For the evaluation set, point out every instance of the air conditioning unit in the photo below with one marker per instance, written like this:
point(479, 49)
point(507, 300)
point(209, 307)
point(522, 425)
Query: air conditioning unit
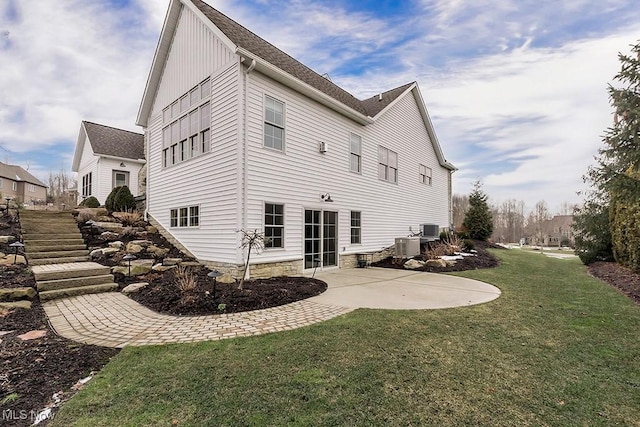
point(407, 247)
point(430, 232)
point(323, 147)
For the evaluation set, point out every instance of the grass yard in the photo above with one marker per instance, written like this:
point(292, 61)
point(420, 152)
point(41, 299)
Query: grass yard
point(557, 348)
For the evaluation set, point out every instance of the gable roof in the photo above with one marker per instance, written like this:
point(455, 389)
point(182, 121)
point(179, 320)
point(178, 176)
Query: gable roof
point(16, 173)
point(110, 141)
point(278, 65)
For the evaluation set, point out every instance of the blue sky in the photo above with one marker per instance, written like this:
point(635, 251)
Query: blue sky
point(516, 89)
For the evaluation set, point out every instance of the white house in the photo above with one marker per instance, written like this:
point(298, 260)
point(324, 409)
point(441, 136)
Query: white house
point(242, 136)
point(105, 158)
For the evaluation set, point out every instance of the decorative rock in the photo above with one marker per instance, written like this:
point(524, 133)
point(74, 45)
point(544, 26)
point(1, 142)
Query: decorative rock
point(158, 252)
point(162, 268)
point(414, 264)
point(95, 253)
point(134, 249)
point(26, 304)
point(111, 226)
point(440, 263)
point(7, 239)
point(143, 243)
point(141, 234)
point(151, 229)
point(13, 259)
point(32, 335)
point(2, 255)
point(189, 264)
point(110, 236)
point(136, 270)
point(16, 294)
point(117, 244)
point(171, 261)
point(134, 287)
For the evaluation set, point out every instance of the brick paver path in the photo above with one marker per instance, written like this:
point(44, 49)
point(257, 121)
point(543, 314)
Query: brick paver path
point(114, 320)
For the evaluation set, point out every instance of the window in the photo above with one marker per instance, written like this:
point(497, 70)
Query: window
point(120, 178)
point(387, 165)
point(32, 188)
point(356, 227)
point(86, 185)
point(0, 182)
point(273, 124)
point(187, 123)
point(425, 175)
point(187, 216)
point(273, 225)
point(356, 153)
point(15, 186)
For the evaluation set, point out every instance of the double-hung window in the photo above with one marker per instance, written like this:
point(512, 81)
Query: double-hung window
point(86, 185)
point(273, 123)
point(387, 165)
point(356, 227)
point(356, 153)
point(425, 175)
point(187, 216)
point(273, 225)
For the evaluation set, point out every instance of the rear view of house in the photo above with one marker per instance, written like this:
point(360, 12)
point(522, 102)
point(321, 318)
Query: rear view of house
point(105, 158)
point(242, 136)
point(20, 185)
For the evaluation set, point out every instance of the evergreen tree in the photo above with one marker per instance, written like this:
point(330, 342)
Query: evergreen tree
point(478, 221)
point(109, 202)
point(124, 200)
point(615, 179)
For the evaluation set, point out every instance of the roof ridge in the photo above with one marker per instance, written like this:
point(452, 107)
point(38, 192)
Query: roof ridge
point(112, 127)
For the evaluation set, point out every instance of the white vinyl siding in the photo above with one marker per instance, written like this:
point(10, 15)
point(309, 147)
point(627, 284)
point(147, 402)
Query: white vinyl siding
point(355, 158)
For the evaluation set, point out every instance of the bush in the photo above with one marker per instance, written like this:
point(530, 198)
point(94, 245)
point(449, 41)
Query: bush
point(468, 245)
point(445, 235)
point(478, 221)
point(110, 199)
point(130, 219)
point(593, 236)
point(90, 202)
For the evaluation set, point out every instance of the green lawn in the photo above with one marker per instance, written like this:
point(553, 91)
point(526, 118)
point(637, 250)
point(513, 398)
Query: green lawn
point(557, 348)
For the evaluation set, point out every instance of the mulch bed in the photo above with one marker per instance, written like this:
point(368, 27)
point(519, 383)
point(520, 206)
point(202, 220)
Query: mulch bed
point(164, 296)
point(483, 259)
point(621, 278)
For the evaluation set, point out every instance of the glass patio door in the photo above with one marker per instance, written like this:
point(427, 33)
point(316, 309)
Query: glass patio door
point(320, 238)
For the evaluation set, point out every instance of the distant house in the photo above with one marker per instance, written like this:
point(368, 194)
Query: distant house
point(17, 183)
point(106, 157)
point(241, 135)
point(557, 231)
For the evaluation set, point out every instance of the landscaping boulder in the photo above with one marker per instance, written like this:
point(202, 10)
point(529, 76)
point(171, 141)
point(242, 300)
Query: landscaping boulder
point(96, 253)
point(110, 251)
point(25, 304)
point(2, 255)
point(17, 294)
point(414, 264)
point(171, 261)
point(7, 239)
point(32, 335)
point(110, 236)
point(13, 259)
point(151, 229)
point(117, 244)
point(134, 287)
point(136, 270)
point(133, 248)
point(158, 252)
point(109, 226)
point(162, 268)
point(439, 263)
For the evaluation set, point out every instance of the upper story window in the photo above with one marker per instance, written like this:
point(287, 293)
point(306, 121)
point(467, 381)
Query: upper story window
point(31, 188)
point(273, 123)
point(14, 187)
point(187, 124)
point(0, 182)
point(86, 185)
point(356, 153)
point(425, 175)
point(387, 165)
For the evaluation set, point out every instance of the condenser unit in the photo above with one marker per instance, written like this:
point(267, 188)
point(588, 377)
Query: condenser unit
point(430, 232)
point(407, 247)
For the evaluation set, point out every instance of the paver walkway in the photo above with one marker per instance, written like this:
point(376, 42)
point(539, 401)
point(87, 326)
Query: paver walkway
point(114, 320)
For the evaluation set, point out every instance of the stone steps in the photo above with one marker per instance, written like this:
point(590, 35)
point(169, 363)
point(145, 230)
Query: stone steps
point(55, 246)
point(54, 243)
point(72, 292)
point(61, 253)
point(44, 237)
point(74, 282)
point(45, 261)
point(68, 271)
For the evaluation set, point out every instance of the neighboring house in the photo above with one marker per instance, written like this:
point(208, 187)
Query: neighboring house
point(557, 231)
point(20, 185)
point(105, 158)
point(242, 136)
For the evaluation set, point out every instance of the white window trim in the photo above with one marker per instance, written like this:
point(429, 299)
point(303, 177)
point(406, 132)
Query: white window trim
point(388, 166)
point(351, 227)
point(113, 178)
point(264, 225)
point(283, 127)
point(427, 172)
point(188, 217)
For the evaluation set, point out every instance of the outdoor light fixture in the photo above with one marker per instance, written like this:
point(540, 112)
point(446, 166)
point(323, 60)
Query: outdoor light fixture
point(326, 198)
point(129, 258)
point(16, 245)
point(316, 261)
point(7, 199)
point(214, 275)
point(122, 165)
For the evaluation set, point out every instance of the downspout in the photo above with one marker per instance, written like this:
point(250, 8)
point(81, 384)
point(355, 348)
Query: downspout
point(146, 172)
point(245, 154)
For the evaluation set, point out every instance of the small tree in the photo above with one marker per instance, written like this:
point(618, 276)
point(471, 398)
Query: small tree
point(109, 202)
point(251, 240)
point(123, 200)
point(478, 221)
point(592, 234)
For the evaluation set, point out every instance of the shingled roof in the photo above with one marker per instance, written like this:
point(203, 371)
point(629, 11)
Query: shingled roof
point(246, 39)
point(16, 173)
point(110, 141)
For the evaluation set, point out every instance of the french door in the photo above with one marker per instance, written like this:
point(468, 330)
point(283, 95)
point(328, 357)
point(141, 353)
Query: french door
point(320, 238)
